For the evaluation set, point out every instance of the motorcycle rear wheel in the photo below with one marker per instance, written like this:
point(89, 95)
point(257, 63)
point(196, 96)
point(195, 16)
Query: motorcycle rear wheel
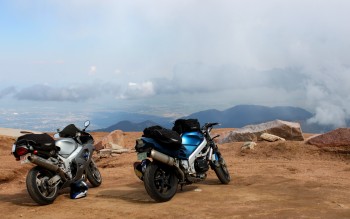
point(93, 174)
point(160, 182)
point(38, 188)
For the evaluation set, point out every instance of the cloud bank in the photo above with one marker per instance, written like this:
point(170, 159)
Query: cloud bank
point(181, 52)
point(325, 93)
point(72, 93)
point(7, 91)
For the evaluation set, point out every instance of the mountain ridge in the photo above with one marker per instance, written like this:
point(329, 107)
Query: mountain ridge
point(128, 126)
point(233, 117)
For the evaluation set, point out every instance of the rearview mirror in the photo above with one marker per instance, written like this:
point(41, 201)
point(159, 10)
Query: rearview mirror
point(87, 123)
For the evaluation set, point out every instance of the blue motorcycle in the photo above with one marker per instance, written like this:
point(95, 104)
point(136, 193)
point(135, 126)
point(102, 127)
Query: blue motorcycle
point(180, 156)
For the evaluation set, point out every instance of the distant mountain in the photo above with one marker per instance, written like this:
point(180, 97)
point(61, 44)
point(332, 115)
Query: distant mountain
point(235, 117)
point(128, 126)
point(242, 115)
point(107, 119)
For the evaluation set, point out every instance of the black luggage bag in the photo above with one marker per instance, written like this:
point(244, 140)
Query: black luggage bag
point(163, 136)
point(186, 125)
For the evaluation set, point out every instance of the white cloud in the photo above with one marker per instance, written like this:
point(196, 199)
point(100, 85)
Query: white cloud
point(93, 69)
point(138, 90)
point(328, 114)
point(117, 72)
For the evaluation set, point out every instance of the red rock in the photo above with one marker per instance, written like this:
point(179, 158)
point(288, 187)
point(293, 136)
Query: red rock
point(335, 138)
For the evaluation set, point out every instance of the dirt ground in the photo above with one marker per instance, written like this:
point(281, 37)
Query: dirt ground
point(274, 180)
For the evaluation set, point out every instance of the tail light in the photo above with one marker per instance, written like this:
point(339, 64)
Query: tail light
point(21, 151)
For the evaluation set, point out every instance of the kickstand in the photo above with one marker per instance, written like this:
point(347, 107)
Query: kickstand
point(182, 185)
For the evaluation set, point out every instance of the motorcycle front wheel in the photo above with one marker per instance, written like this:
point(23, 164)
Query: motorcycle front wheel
point(93, 174)
point(221, 171)
point(38, 187)
point(160, 182)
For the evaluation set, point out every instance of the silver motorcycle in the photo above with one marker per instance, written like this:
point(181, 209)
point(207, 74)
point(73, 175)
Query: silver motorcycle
point(59, 163)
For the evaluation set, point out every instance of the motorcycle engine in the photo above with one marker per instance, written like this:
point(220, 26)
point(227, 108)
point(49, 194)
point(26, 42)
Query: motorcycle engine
point(201, 165)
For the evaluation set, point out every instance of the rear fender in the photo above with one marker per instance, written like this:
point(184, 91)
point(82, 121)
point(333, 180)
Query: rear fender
point(140, 168)
point(144, 144)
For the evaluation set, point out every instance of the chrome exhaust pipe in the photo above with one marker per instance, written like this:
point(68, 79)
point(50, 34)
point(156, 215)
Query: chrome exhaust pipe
point(48, 165)
point(156, 155)
point(162, 157)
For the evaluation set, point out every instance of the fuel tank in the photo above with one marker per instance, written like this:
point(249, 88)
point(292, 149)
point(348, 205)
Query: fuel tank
point(67, 146)
point(190, 141)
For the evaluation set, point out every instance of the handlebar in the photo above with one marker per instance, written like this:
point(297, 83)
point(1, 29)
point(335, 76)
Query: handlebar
point(210, 125)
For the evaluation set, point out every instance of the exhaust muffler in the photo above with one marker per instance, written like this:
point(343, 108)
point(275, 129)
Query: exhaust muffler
point(162, 157)
point(48, 165)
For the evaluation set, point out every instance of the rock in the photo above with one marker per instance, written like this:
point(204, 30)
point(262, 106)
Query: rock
point(114, 140)
point(105, 152)
point(114, 146)
point(287, 130)
point(335, 138)
point(120, 151)
point(270, 137)
point(98, 146)
point(248, 145)
point(243, 136)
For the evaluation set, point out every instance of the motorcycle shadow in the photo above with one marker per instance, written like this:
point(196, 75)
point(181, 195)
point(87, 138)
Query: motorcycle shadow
point(210, 182)
point(21, 198)
point(136, 193)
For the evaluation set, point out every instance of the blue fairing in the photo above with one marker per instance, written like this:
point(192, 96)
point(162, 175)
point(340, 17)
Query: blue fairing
point(190, 141)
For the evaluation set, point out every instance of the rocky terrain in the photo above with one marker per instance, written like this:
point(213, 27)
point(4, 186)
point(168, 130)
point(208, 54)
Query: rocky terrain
point(281, 179)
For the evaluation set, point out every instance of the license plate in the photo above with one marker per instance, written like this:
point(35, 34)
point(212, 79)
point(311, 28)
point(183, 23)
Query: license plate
point(142, 156)
point(24, 159)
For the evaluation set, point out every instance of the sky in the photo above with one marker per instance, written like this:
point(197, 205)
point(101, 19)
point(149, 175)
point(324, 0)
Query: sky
point(173, 58)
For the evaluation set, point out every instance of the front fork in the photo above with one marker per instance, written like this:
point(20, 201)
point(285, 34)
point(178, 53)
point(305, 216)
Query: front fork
point(214, 156)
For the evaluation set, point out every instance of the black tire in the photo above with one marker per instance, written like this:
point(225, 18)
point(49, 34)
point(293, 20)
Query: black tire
point(37, 186)
point(160, 182)
point(222, 171)
point(93, 174)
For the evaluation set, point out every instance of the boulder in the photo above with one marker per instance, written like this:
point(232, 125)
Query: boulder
point(286, 130)
point(335, 138)
point(114, 141)
point(270, 137)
